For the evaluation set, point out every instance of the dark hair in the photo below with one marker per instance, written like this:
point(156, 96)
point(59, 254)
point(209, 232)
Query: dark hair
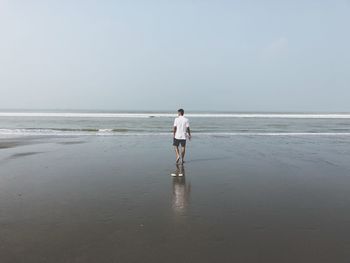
point(181, 111)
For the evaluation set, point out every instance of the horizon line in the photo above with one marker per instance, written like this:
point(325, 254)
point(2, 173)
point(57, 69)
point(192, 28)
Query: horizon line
point(67, 110)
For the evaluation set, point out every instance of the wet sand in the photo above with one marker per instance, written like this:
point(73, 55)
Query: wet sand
point(112, 199)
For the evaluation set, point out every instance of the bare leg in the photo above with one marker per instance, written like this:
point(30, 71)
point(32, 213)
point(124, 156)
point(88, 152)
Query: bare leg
point(177, 153)
point(183, 151)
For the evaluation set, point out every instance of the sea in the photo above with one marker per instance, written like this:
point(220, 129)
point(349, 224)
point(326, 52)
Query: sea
point(143, 123)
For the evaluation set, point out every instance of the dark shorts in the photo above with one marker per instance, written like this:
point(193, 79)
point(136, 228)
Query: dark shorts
point(176, 142)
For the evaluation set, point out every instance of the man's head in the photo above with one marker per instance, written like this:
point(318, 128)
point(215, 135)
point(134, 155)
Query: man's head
point(181, 112)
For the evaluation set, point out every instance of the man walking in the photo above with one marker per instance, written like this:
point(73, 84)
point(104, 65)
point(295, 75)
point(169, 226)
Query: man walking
point(181, 130)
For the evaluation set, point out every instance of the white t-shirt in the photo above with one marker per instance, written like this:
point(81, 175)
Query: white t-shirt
point(181, 123)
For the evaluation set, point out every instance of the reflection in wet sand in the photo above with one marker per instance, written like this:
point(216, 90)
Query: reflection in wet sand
point(181, 191)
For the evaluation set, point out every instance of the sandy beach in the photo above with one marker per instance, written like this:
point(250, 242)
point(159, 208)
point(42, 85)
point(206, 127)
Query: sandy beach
point(112, 199)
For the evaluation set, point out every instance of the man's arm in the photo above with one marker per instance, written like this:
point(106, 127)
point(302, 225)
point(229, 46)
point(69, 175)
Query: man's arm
point(189, 133)
point(175, 127)
point(188, 129)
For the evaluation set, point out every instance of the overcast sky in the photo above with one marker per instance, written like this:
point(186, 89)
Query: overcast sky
point(161, 55)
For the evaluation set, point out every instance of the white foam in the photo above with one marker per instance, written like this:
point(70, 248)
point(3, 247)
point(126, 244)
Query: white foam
point(40, 132)
point(199, 115)
point(109, 132)
point(279, 134)
point(105, 130)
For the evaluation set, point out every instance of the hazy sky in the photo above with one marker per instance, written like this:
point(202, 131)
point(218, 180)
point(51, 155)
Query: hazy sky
point(160, 55)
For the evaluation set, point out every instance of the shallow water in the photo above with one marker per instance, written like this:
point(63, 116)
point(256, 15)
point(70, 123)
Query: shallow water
point(112, 199)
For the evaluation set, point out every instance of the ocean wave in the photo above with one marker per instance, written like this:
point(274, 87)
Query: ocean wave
point(171, 115)
point(125, 132)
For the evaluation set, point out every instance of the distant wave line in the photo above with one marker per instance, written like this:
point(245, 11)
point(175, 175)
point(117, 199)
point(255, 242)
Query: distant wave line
point(115, 132)
point(168, 115)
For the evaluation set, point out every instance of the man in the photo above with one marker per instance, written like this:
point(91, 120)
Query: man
point(181, 130)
